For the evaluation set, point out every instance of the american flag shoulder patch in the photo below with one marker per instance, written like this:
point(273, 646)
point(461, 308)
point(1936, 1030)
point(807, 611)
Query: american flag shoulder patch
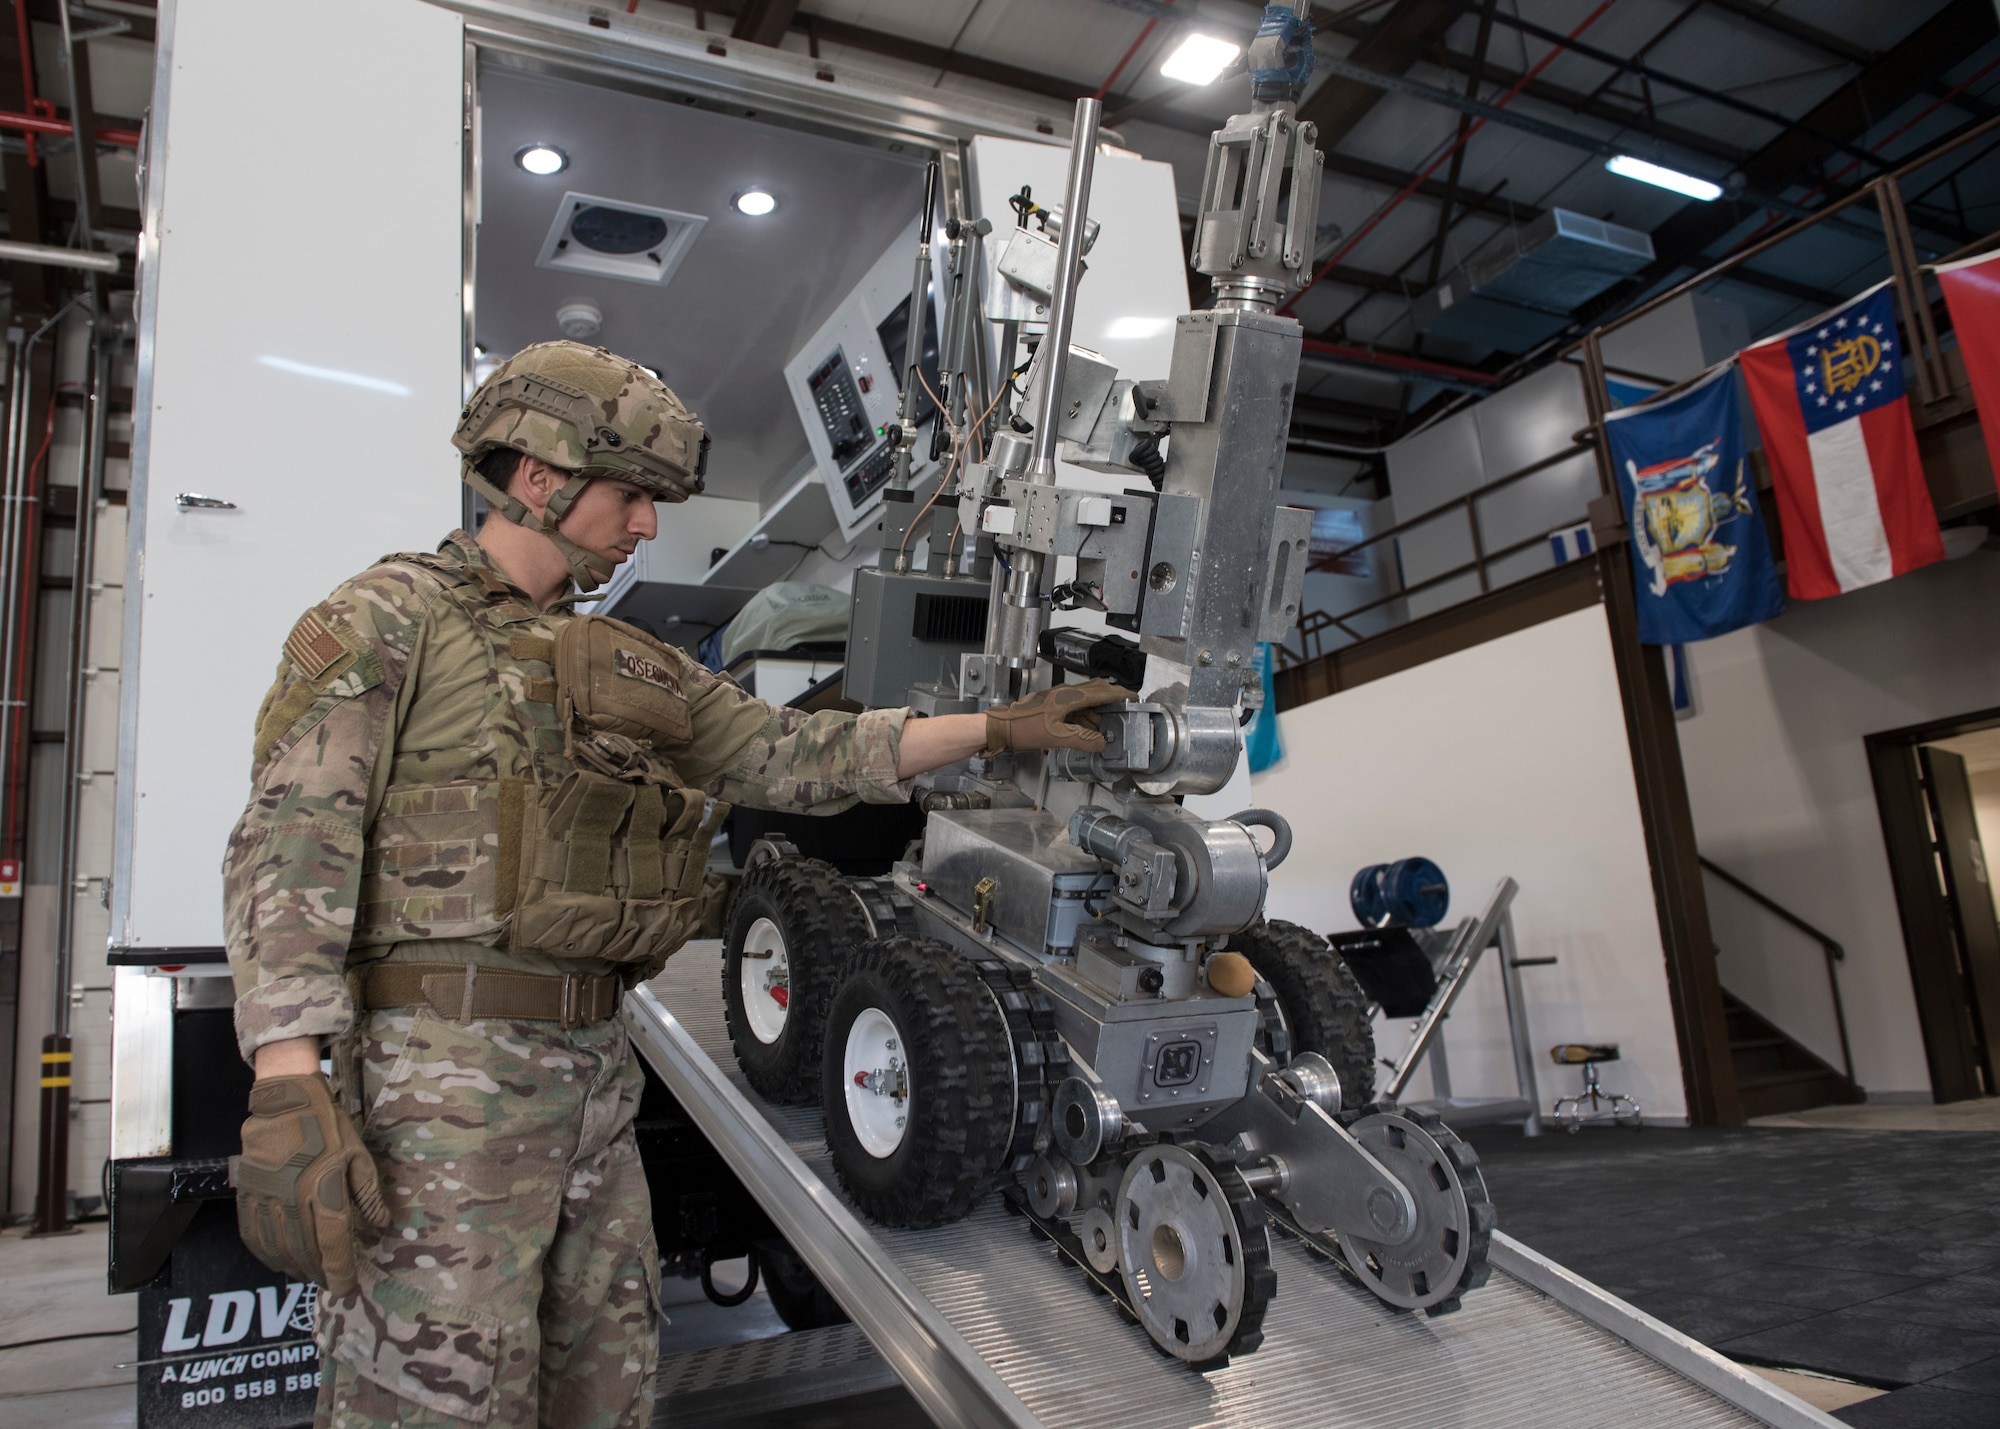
point(312, 647)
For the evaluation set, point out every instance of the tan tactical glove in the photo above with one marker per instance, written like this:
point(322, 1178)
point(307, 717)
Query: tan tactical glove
point(305, 1184)
point(1062, 717)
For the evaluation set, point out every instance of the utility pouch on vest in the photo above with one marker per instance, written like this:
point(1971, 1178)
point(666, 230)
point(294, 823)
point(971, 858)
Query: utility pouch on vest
point(433, 862)
point(614, 678)
point(612, 868)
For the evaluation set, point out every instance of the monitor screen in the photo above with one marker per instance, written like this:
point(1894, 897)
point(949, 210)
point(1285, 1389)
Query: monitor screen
point(894, 331)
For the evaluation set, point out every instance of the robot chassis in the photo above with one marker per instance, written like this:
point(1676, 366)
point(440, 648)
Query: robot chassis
point(1033, 997)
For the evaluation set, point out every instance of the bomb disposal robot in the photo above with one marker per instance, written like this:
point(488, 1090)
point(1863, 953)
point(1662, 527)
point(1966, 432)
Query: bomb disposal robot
point(1068, 987)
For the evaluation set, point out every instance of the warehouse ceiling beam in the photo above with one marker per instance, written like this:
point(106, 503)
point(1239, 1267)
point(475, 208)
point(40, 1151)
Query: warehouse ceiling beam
point(1393, 44)
point(1624, 65)
point(25, 175)
point(1590, 106)
point(1918, 59)
point(1451, 182)
point(764, 22)
point(1778, 22)
point(937, 57)
point(1309, 405)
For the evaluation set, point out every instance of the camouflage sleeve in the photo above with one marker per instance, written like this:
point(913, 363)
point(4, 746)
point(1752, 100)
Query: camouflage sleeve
point(291, 875)
point(819, 763)
point(748, 752)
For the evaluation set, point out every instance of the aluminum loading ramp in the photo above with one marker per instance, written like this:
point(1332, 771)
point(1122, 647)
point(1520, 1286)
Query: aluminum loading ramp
point(987, 1325)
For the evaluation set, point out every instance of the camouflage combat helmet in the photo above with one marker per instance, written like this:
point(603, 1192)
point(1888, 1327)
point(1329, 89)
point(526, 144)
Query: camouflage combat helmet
point(589, 413)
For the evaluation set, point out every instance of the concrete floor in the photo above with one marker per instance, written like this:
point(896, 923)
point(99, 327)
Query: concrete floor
point(62, 1339)
point(66, 1345)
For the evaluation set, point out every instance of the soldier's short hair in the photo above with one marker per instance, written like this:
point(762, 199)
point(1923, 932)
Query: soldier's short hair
point(499, 465)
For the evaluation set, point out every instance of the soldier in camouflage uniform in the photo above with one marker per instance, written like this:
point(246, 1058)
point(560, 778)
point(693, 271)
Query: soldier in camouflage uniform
point(476, 820)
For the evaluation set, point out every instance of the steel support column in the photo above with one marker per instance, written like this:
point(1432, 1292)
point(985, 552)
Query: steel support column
point(1701, 1026)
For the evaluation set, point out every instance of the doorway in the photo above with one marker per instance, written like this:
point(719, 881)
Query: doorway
point(1938, 788)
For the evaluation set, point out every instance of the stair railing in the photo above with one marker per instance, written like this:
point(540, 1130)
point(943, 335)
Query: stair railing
point(1831, 948)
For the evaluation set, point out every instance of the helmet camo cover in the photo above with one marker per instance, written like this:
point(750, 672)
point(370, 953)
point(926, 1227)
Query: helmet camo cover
point(587, 412)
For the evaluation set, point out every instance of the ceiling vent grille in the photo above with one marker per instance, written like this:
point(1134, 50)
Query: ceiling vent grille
point(1521, 288)
point(610, 238)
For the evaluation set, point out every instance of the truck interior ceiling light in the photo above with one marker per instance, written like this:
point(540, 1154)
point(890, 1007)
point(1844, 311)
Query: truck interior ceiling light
point(1625, 166)
point(1199, 59)
point(753, 203)
point(541, 160)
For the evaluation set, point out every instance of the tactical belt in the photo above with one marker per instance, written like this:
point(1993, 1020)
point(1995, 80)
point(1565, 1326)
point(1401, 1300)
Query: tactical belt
point(461, 992)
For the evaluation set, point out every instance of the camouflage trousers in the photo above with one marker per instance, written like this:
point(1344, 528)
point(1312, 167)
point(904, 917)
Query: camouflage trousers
point(518, 1282)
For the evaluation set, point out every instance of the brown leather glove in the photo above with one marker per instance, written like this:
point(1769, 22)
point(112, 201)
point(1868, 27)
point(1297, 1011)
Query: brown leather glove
point(305, 1184)
point(1062, 717)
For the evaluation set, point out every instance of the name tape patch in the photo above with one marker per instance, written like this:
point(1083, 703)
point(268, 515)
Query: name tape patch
point(634, 666)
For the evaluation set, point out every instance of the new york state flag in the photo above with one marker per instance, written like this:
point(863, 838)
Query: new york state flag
point(1830, 403)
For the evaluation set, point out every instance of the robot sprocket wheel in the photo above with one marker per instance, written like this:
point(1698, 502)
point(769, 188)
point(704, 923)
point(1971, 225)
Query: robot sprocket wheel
point(1194, 1251)
point(1447, 1253)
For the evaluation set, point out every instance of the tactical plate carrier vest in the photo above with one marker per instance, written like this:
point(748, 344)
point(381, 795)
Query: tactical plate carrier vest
point(531, 805)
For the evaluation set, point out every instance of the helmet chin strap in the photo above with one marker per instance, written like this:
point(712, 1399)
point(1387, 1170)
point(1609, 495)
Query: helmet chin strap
point(588, 569)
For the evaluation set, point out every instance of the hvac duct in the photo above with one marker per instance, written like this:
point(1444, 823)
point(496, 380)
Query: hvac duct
point(1523, 287)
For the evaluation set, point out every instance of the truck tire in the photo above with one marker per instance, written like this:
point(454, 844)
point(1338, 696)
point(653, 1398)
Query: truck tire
point(792, 925)
point(1325, 1009)
point(918, 1083)
point(795, 1292)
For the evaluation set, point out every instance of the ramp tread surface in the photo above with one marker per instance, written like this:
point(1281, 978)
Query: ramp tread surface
point(1333, 1357)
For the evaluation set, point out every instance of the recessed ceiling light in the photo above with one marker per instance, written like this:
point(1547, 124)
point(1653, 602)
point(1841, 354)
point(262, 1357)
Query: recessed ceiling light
point(753, 203)
point(1625, 166)
point(1200, 59)
point(541, 160)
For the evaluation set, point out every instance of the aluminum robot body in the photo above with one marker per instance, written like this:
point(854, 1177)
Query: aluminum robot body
point(1156, 1118)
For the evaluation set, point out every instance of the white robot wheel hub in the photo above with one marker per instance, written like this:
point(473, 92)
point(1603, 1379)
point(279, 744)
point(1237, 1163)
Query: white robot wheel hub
point(766, 981)
point(876, 1078)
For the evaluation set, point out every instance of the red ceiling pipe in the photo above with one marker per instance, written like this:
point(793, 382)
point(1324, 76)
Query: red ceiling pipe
point(1773, 219)
point(1119, 68)
point(1396, 360)
point(27, 48)
point(36, 124)
point(1416, 183)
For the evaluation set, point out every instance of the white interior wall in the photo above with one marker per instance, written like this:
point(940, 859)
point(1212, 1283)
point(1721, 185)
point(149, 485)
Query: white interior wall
point(1778, 777)
point(1680, 339)
point(1508, 759)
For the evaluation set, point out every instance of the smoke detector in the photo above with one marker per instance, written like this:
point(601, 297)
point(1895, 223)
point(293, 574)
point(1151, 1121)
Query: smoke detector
point(580, 321)
point(610, 238)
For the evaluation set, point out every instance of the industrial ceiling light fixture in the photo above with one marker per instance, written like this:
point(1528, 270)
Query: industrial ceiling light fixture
point(1627, 167)
point(754, 203)
point(541, 160)
point(1199, 59)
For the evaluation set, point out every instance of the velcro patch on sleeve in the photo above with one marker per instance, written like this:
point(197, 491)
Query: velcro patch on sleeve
point(634, 666)
point(312, 647)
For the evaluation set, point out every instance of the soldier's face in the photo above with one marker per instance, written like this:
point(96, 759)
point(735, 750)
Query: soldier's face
point(610, 518)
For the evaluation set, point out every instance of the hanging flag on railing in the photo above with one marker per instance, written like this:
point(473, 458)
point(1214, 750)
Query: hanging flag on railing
point(1829, 401)
point(1699, 553)
point(1972, 292)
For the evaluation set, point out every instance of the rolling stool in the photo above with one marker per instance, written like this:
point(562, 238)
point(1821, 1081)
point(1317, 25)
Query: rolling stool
point(1621, 1107)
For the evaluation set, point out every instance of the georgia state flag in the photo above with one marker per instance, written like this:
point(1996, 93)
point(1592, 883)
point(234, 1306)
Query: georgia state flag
point(1836, 423)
